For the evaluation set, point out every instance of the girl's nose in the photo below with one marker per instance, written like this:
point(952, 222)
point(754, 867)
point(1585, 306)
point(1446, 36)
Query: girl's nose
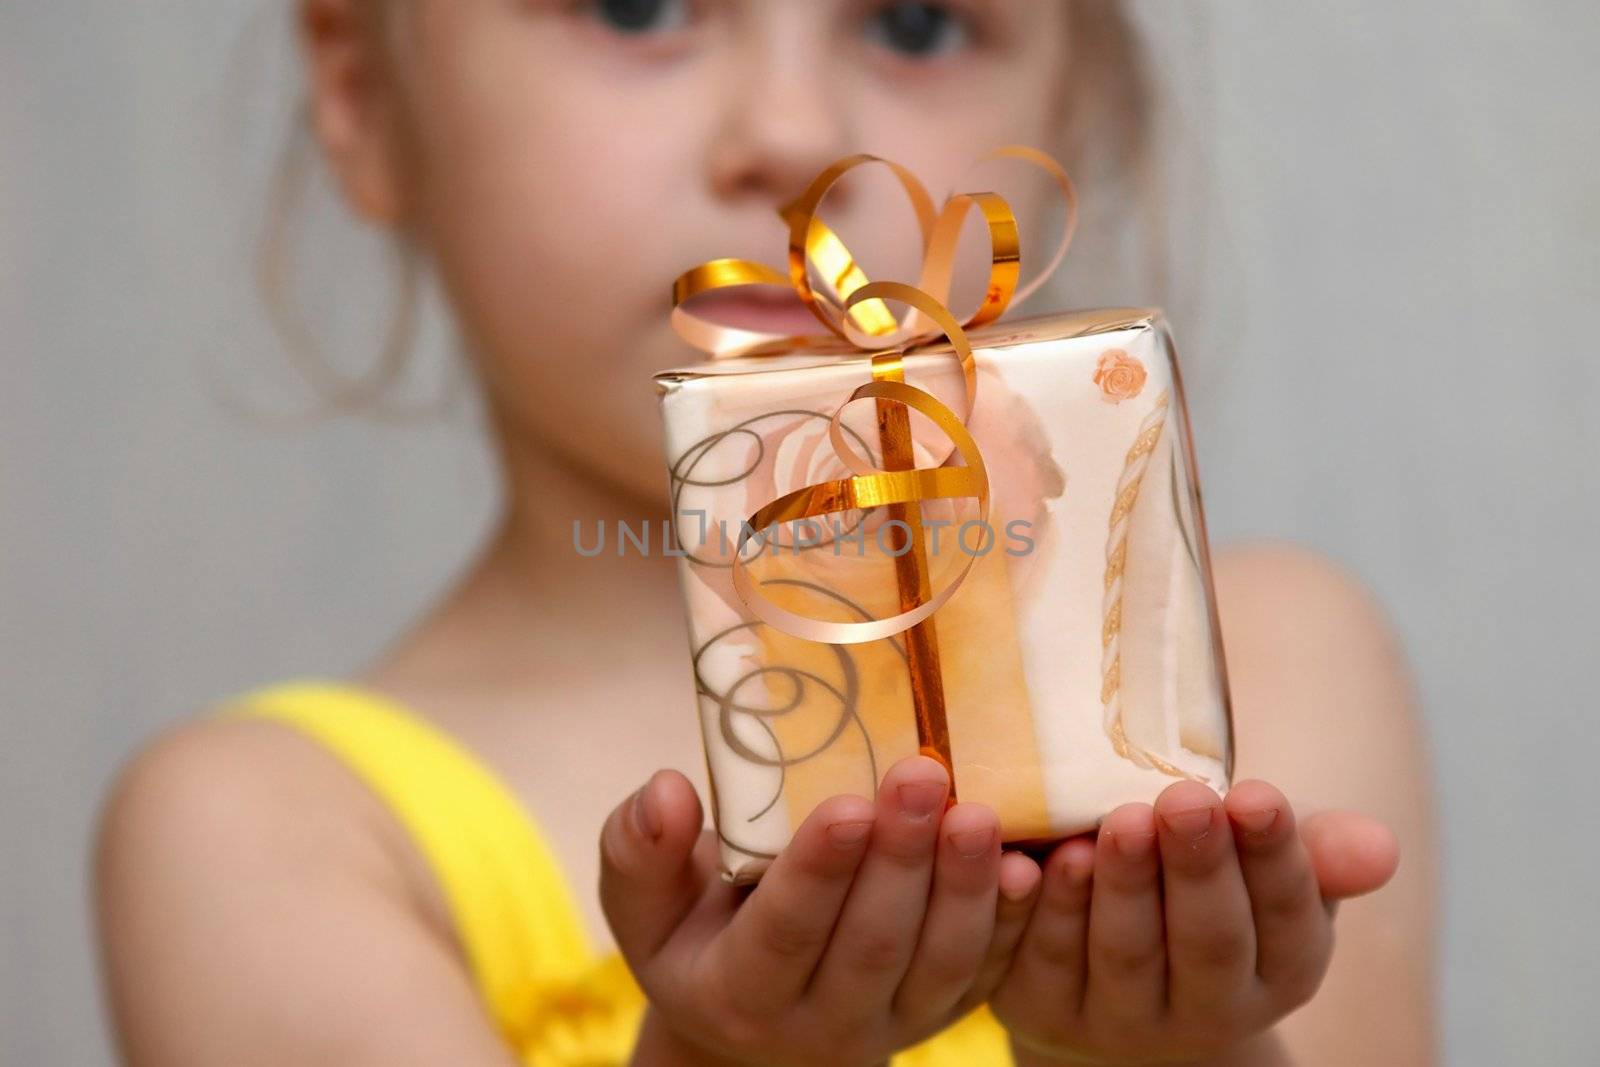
point(781, 123)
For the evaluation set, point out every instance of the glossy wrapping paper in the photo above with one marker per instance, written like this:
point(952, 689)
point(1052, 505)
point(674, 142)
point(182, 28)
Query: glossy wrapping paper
point(1078, 657)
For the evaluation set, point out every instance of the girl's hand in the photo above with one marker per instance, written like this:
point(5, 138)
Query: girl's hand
point(876, 927)
point(1186, 928)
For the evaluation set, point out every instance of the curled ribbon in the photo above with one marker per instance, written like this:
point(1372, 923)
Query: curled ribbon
point(855, 309)
point(814, 247)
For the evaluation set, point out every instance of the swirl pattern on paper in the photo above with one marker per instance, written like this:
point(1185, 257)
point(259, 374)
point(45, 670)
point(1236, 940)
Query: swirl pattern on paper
point(731, 704)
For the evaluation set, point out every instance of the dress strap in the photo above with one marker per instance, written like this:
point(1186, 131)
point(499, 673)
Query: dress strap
point(512, 906)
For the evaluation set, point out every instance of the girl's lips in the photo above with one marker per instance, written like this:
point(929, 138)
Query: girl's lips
point(770, 311)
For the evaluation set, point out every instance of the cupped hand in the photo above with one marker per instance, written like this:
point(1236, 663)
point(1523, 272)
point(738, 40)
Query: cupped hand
point(1182, 930)
point(878, 925)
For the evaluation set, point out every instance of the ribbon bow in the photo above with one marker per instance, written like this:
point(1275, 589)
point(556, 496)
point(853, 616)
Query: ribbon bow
point(855, 309)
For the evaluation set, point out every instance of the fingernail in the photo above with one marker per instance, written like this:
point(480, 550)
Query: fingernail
point(1015, 890)
point(1193, 824)
point(921, 799)
point(645, 817)
point(1134, 846)
point(973, 843)
point(849, 834)
point(1256, 822)
point(1077, 865)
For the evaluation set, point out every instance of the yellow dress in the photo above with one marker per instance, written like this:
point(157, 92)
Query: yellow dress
point(556, 1000)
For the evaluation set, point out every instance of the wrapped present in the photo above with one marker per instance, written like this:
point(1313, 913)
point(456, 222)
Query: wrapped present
point(978, 540)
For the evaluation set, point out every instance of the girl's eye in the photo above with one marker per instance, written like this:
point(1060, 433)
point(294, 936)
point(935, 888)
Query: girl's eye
point(640, 17)
point(918, 30)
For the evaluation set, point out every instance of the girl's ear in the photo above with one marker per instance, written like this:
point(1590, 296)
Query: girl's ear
point(354, 103)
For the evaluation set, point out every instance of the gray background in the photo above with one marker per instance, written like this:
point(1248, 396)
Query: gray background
point(1389, 256)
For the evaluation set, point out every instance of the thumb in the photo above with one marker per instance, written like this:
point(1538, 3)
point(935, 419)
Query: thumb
point(1351, 854)
point(648, 877)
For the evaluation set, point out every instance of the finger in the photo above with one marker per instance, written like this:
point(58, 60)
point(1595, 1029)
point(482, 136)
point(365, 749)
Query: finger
point(877, 932)
point(1020, 882)
point(1051, 962)
point(959, 925)
point(1293, 932)
point(1352, 854)
point(718, 901)
point(775, 939)
point(648, 877)
point(1127, 958)
point(1211, 937)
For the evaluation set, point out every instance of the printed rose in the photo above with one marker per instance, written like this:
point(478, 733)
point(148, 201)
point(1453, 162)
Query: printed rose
point(1119, 376)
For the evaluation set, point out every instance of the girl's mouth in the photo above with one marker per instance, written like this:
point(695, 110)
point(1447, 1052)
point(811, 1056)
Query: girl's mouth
point(767, 309)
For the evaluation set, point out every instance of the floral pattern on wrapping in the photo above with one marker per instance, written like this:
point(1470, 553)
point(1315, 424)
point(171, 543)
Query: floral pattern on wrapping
point(1119, 376)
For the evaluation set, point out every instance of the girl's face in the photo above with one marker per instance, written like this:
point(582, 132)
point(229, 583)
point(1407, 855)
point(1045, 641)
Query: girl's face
point(564, 161)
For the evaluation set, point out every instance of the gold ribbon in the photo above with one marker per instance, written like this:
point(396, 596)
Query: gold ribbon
point(851, 307)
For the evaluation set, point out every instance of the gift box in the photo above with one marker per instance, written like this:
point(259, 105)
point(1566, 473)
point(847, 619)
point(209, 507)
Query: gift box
point(987, 546)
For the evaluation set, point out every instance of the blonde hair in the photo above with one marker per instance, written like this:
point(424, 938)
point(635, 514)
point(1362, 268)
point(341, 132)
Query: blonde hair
point(1111, 92)
point(1107, 141)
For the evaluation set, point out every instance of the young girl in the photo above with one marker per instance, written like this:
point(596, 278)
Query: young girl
point(402, 869)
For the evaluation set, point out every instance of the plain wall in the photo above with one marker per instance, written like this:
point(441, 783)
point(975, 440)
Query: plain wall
point(1391, 216)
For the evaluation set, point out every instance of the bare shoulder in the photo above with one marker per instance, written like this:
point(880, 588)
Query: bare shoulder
point(216, 796)
point(243, 878)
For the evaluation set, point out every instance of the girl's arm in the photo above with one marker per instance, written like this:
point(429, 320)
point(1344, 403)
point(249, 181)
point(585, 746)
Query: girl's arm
point(1325, 708)
point(254, 909)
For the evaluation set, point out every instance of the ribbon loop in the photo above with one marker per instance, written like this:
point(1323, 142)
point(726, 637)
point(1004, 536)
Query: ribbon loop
point(811, 242)
point(824, 273)
point(1069, 225)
